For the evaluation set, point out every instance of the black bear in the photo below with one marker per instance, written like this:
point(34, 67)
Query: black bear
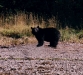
point(51, 35)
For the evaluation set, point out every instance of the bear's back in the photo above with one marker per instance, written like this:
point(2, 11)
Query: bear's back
point(51, 33)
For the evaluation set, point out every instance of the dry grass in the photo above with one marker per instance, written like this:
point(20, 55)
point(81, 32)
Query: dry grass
point(8, 41)
point(16, 29)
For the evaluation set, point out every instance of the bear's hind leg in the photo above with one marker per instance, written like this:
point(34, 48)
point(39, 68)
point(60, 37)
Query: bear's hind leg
point(53, 44)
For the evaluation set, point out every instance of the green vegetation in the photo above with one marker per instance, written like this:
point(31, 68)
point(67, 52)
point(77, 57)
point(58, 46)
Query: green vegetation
point(71, 35)
point(17, 29)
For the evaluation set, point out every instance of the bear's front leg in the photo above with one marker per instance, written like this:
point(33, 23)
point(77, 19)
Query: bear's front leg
point(40, 42)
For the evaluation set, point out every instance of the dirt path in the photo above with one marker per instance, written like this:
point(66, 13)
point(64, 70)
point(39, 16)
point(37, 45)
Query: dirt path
point(66, 59)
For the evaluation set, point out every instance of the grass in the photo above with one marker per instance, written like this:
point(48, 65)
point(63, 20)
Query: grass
point(16, 29)
point(71, 35)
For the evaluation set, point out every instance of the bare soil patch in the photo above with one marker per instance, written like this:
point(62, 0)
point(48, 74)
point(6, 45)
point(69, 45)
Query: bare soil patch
point(66, 59)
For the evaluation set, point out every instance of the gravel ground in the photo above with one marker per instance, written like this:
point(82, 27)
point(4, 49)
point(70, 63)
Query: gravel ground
point(66, 59)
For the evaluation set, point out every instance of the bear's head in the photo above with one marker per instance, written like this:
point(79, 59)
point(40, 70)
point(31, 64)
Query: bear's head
point(35, 30)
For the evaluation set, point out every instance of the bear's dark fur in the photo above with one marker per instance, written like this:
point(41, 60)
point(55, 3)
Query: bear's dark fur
point(51, 35)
